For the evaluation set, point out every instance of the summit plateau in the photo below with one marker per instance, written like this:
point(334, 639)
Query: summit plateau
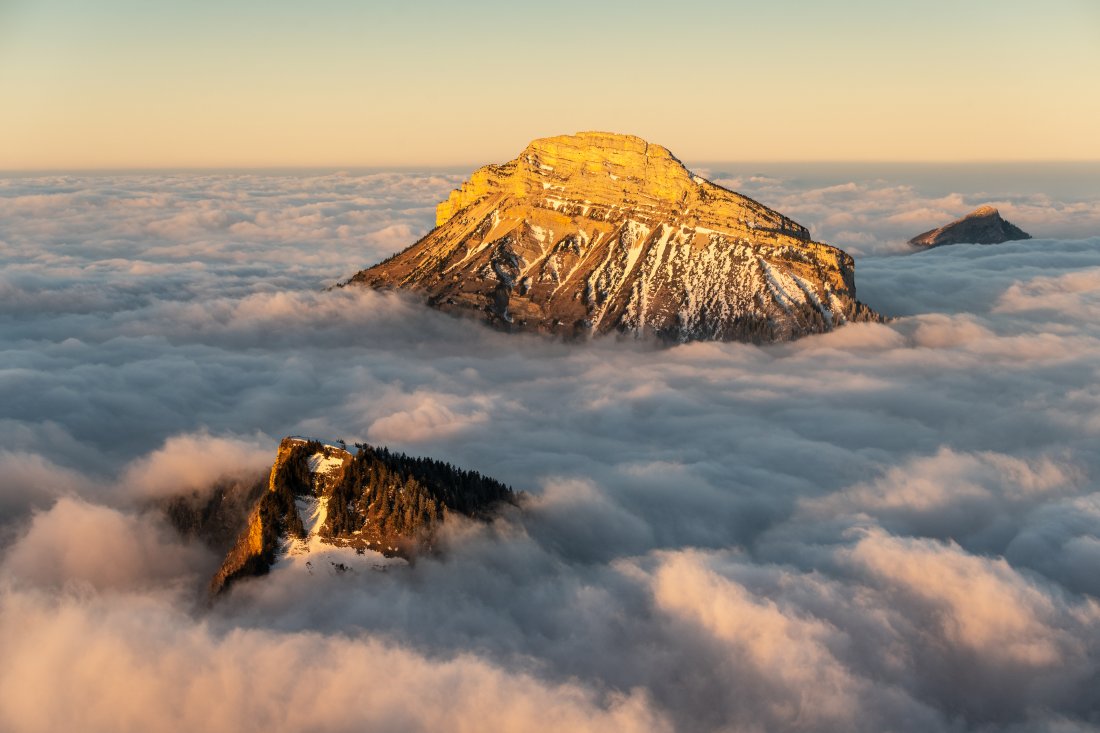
point(599, 233)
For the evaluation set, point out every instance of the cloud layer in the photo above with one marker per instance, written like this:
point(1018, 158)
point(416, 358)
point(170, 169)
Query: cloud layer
point(893, 526)
point(877, 208)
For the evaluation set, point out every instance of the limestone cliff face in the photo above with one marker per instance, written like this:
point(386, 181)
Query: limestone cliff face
point(217, 515)
point(302, 470)
point(322, 500)
point(983, 225)
point(599, 233)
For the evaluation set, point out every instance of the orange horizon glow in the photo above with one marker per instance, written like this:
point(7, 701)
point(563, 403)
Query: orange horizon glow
point(342, 85)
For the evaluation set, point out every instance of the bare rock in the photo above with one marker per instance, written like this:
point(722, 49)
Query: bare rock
point(983, 225)
point(598, 233)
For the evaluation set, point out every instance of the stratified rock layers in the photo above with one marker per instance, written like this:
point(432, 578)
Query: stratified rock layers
point(598, 233)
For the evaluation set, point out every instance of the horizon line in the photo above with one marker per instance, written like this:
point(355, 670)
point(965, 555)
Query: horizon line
point(456, 167)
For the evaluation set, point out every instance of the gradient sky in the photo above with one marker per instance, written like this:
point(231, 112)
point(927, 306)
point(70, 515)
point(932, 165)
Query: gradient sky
point(140, 83)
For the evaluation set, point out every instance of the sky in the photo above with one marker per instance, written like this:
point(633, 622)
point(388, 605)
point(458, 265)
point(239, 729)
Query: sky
point(334, 83)
point(892, 526)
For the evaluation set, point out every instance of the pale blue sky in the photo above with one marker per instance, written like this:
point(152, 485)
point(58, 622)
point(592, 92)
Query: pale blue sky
point(121, 83)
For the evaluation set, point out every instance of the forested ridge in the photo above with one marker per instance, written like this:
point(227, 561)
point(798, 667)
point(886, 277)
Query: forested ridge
point(375, 499)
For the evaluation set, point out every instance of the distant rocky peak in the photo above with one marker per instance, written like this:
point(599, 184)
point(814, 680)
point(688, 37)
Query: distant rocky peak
point(983, 210)
point(983, 225)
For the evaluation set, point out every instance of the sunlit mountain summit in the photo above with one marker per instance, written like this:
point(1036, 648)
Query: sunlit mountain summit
point(600, 233)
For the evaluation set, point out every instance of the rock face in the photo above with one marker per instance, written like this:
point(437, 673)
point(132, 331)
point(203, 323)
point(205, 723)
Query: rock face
point(320, 497)
point(983, 225)
point(217, 516)
point(599, 233)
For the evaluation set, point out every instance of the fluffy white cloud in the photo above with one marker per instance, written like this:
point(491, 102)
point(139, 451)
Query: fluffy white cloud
point(877, 209)
point(79, 544)
point(135, 664)
point(892, 526)
point(193, 463)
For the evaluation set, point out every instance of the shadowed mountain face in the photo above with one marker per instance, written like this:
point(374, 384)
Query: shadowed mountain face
point(983, 225)
point(598, 233)
point(215, 517)
point(323, 496)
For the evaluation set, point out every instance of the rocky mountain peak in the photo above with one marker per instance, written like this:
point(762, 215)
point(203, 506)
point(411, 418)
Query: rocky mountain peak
point(609, 169)
point(626, 152)
point(325, 504)
point(630, 165)
point(599, 233)
point(983, 210)
point(983, 225)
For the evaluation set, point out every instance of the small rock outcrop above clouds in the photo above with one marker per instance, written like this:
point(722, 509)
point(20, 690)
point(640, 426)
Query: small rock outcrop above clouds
point(983, 225)
point(327, 505)
point(599, 233)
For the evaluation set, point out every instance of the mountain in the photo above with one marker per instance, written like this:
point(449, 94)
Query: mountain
point(599, 233)
point(983, 225)
point(215, 516)
point(333, 505)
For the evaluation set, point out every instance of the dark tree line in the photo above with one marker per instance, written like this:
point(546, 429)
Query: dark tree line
point(387, 495)
point(460, 490)
point(381, 500)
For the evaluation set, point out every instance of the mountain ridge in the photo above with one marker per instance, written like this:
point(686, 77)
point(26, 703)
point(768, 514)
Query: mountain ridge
point(321, 499)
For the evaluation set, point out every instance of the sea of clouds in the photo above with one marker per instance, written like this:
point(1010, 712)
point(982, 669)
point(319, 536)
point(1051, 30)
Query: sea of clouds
point(890, 527)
